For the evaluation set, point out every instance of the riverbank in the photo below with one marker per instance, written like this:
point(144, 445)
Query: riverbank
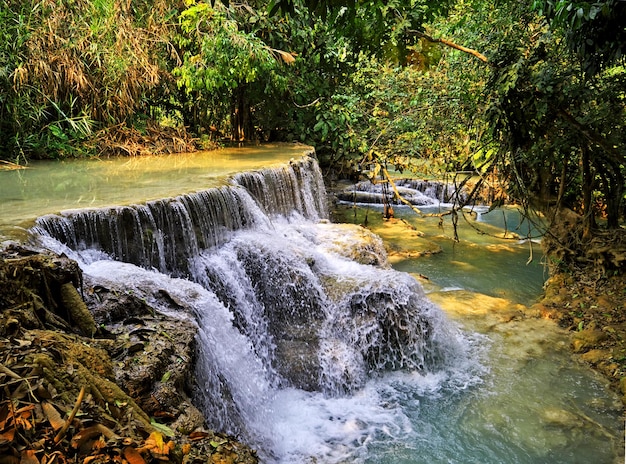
point(592, 307)
point(95, 374)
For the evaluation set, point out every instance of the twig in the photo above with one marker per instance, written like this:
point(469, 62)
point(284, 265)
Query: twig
point(451, 44)
point(9, 372)
point(59, 436)
point(17, 377)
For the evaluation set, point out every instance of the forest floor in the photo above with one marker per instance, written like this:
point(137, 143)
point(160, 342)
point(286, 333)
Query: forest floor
point(94, 375)
point(593, 307)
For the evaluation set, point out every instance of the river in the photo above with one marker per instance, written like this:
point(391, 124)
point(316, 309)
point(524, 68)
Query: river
point(482, 383)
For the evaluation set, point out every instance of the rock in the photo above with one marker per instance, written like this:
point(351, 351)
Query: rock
point(595, 356)
point(353, 242)
point(80, 316)
point(135, 350)
point(586, 339)
point(561, 418)
point(622, 385)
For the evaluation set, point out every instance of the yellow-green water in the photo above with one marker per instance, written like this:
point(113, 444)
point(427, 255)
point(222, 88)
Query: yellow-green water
point(537, 403)
point(52, 186)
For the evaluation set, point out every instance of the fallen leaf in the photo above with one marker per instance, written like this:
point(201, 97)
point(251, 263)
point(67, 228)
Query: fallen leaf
point(54, 458)
point(91, 432)
point(198, 435)
point(28, 457)
point(162, 428)
point(53, 416)
point(133, 456)
point(153, 442)
point(7, 437)
point(88, 459)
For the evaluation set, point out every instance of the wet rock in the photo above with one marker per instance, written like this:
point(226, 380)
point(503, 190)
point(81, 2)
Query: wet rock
point(561, 418)
point(136, 364)
point(153, 353)
point(80, 316)
point(353, 242)
point(595, 356)
point(586, 339)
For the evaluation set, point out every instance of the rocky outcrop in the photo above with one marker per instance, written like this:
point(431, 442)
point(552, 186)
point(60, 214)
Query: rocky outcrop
point(67, 344)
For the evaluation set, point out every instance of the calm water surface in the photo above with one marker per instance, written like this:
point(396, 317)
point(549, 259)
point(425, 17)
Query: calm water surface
point(52, 186)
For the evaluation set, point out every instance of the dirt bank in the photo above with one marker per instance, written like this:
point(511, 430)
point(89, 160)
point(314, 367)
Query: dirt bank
point(92, 374)
point(592, 305)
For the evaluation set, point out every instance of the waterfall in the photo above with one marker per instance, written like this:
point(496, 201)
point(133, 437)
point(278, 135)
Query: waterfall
point(165, 234)
point(293, 329)
point(417, 192)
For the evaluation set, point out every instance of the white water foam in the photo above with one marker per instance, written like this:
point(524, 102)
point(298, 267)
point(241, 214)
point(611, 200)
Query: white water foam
point(286, 424)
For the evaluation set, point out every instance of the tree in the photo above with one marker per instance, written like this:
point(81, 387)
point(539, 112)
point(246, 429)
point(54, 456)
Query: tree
point(557, 116)
point(595, 32)
point(224, 66)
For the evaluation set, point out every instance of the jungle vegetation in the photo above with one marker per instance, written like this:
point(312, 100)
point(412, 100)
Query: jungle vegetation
point(528, 95)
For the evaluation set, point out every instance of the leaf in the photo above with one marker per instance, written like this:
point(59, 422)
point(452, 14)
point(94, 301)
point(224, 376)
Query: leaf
point(91, 432)
point(53, 416)
point(7, 437)
point(198, 435)
point(164, 429)
point(133, 456)
point(217, 442)
point(28, 457)
point(166, 376)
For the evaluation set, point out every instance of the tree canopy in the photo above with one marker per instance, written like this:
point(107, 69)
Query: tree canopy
point(532, 94)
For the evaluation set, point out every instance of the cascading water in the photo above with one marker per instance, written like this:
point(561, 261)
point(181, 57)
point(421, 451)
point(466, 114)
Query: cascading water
point(303, 350)
point(416, 192)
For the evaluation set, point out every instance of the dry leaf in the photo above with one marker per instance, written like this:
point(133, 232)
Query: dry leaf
point(53, 416)
point(55, 458)
point(198, 435)
point(133, 456)
point(156, 443)
point(7, 437)
point(28, 457)
point(88, 459)
point(87, 434)
point(22, 416)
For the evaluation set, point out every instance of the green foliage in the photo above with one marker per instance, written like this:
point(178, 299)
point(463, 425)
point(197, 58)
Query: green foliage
point(225, 69)
point(220, 56)
point(595, 31)
point(69, 66)
point(560, 132)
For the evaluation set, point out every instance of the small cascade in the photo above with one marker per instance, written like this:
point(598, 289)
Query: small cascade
point(165, 234)
point(417, 192)
point(286, 315)
point(297, 187)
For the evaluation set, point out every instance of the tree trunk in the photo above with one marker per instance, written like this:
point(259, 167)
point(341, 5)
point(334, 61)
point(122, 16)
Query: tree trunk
point(240, 117)
point(589, 218)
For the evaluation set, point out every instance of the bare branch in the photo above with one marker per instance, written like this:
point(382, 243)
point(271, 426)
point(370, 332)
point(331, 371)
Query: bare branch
point(451, 44)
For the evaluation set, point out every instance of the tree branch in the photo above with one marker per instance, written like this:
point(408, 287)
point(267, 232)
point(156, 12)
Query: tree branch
point(451, 44)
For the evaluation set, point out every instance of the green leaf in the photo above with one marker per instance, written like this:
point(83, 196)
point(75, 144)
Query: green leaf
point(164, 429)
